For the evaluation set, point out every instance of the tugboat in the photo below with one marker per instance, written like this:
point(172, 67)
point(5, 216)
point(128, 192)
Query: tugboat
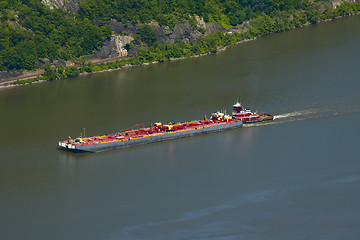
point(247, 116)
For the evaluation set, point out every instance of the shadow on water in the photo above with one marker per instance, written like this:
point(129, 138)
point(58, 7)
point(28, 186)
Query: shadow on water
point(68, 156)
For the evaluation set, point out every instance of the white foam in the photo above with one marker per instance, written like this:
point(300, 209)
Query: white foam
point(298, 113)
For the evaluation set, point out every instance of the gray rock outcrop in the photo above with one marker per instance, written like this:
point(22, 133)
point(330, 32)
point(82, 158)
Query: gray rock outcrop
point(116, 47)
point(335, 3)
point(69, 6)
point(182, 31)
point(9, 74)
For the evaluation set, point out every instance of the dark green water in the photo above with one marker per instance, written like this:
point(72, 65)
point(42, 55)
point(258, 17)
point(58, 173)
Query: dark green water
point(295, 178)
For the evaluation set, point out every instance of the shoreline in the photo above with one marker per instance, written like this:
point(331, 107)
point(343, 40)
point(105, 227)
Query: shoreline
point(11, 82)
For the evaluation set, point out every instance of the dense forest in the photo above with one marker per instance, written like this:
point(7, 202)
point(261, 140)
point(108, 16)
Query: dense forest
point(168, 12)
point(31, 33)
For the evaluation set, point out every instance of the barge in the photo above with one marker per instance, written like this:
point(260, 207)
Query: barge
point(219, 121)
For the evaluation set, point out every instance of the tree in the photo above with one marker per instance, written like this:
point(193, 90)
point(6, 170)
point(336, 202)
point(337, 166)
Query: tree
point(147, 34)
point(50, 72)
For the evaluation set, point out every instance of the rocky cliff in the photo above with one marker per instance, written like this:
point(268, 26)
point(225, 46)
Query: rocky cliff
point(335, 3)
point(182, 31)
point(69, 6)
point(118, 45)
point(125, 40)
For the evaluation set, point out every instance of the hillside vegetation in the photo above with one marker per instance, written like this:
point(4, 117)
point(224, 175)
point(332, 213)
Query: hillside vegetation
point(167, 12)
point(32, 34)
point(30, 31)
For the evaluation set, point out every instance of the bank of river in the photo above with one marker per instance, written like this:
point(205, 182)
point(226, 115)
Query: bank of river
point(38, 76)
point(296, 177)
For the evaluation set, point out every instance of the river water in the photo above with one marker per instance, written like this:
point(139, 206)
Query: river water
point(297, 177)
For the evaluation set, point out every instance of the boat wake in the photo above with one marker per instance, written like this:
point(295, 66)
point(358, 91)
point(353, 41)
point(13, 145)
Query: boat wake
point(314, 113)
point(294, 114)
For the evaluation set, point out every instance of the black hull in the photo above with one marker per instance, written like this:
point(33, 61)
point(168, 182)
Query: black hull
point(72, 150)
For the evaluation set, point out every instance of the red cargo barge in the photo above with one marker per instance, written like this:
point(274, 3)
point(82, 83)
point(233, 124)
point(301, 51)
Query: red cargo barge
point(219, 121)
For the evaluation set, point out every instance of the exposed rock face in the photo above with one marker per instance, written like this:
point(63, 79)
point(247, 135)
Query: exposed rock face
point(114, 48)
point(240, 28)
point(200, 21)
point(335, 3)
point(118, 46)
point(182, 31)
point(119, 27)
point(185, 32)
point(9, 74)
point(69, 6)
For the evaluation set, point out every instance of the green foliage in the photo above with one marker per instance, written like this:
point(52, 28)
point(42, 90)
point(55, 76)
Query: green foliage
point(147, 34)
point(43, 33)
point(30, 31)
point(261, 25)
point(30, 80)
point(202, 30)
point(72, 71)
point(50, 72)
point(347, 8)
point(313, 15)
point(167, 51)
point(192, 22)
point(284, 20)
point(166, 20)
point(167, 12)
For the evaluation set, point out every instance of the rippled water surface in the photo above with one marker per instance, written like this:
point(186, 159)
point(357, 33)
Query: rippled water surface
point(297, 177)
